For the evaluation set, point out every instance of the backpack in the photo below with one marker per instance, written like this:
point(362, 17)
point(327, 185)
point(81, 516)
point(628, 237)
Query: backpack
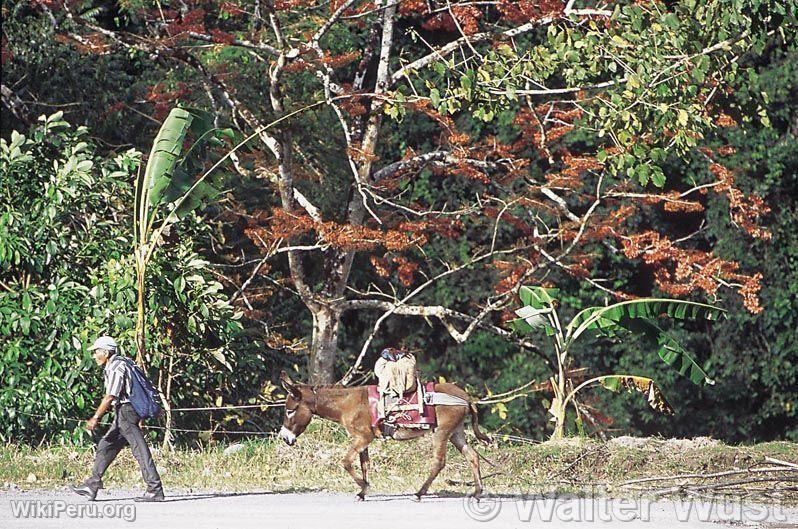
point(145, 400)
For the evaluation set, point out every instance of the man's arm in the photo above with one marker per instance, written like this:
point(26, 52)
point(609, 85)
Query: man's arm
point(104, 406)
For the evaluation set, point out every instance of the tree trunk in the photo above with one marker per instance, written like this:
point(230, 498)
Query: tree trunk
point(166, 396)
point(558, 410)
point(140, 321)
point(324, 345)
point(558, 405)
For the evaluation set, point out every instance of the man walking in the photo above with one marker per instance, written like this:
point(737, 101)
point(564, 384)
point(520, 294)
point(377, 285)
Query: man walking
point(118, 374)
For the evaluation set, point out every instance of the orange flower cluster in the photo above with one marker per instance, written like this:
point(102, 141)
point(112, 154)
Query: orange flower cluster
point(222, 37)
point(353, 106)
point(297, 65)
point(745, 211)
point(413, 7)
point(5, 53)
point(360, 238)
point(468, 18)
point(673, 202)
point(450, 134)
point(725, 120)
point(287, 225)
point(510, 280)
point(680, 272)
point(359, 155)
point(609, 225)
point(337, 61)
point(522, 11)
point(282, 5)
point(381, 266)
point(573, 168)
point(440, 22)
point(531, 134)
point(462, 168)
point(406, 269)
point(538, 205)
point(114, 108)
point(444, 226)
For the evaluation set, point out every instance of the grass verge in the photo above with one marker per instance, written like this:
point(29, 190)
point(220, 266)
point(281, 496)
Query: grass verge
point(314, 464)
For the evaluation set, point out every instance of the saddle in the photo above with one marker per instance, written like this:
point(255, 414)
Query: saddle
point(412, 410)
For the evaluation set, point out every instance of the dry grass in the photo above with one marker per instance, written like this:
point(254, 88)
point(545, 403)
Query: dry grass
point(399, 467)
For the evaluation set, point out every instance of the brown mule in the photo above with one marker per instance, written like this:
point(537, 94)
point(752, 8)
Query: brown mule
point(349, 407)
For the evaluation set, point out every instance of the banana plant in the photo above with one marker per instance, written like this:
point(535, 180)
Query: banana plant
point(169, 189)
point(638, 316)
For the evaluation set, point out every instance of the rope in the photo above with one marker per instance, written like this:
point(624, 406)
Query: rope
point(242, 407)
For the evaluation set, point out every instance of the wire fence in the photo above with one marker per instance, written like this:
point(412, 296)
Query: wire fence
point(498, 436)
point(171, 429)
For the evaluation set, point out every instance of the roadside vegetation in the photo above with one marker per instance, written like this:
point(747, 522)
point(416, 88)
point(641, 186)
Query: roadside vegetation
point(522, 467)
point(348, 179)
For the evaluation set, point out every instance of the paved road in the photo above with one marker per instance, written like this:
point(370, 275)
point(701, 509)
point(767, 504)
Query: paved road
point(61, 510)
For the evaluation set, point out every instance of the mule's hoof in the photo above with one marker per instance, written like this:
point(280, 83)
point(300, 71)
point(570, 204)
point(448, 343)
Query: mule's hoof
point(417, 497)
point(360, 497)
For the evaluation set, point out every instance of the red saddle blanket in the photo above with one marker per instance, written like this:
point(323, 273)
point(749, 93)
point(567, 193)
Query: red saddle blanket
point(405, 417)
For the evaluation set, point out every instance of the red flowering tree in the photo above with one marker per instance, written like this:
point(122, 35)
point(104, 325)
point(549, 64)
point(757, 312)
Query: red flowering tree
point(547, 128)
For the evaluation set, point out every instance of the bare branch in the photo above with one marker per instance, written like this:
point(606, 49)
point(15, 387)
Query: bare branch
point(15, 105)
point(446, 49)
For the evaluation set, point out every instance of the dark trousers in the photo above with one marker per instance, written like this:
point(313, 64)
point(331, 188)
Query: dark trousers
point(125, 431)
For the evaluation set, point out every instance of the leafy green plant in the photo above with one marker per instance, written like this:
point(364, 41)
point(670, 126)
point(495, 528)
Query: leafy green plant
point(638, 316)
point(67, 275)
point(168, 179)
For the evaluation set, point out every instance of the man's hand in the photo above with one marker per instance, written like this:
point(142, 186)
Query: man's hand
point(102, 409)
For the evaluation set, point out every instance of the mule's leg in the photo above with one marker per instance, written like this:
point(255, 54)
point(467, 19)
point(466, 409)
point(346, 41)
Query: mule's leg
point(358, 445)
point(365, 465)
point(439, 441)
point(459, 441)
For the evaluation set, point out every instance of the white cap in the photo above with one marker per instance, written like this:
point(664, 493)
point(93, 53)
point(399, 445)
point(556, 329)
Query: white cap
point(104, 342)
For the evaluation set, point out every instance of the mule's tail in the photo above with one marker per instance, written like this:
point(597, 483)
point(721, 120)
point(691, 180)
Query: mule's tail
point(475, 423)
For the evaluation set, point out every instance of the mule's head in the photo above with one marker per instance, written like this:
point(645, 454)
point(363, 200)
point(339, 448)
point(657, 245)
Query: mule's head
point(298, 411)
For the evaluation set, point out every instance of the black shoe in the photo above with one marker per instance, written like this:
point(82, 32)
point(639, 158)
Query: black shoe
point(85, 491)
point(150, 496)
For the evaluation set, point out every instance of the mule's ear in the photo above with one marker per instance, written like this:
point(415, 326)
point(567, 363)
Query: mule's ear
point(289, 385)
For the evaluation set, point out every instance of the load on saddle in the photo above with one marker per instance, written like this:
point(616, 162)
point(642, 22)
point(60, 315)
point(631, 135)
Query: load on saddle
point(396, 376)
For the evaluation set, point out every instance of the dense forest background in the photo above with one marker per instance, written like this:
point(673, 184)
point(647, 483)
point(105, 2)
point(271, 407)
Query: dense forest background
point(223, 321)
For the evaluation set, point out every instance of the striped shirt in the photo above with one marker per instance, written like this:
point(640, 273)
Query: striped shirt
point(118, 378)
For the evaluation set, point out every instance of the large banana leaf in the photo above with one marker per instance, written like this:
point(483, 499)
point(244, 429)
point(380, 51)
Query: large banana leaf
point(172, 179)
point(645, 385)
point(646, 308)
point(161, 165)
point(673, 354)
point(637, 317)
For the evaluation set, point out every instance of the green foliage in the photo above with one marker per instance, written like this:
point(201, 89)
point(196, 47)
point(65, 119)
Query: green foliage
point(87, 280)
point(67, 276)
point(616, 321)
point(652, 68)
